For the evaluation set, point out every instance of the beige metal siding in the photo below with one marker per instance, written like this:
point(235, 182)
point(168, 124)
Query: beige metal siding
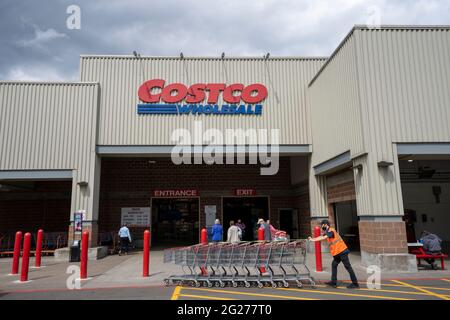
point(284, 109)
point(405, 78)
point(48, 126)
point(405, 86)
point(335, 110)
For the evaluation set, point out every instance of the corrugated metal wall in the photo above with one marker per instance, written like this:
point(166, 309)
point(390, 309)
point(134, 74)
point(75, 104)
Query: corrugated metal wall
point(284, 109)
point(49, 126)
point(335, 108)
point(405, 86)
point(405, 97)
point(401, 94)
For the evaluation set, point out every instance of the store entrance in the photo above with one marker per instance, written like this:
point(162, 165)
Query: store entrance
point(175, 221)
point(249, 210)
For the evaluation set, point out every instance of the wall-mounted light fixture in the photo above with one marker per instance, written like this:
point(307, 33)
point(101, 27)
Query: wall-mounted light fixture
point(83, 183)
point(385, 164)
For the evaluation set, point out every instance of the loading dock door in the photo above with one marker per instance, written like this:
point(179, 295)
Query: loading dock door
point(346, 219)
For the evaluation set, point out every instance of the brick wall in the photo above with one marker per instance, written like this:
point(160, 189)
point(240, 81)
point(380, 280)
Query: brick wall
point(341, 192)
point(383, 237)
point(341, 187)
point(128, 182)
point(301, 203)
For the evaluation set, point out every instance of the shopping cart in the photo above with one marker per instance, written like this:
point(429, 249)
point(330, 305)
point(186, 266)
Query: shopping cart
point(261, 263)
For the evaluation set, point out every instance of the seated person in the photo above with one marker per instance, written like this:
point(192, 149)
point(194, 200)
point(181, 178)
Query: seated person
point(431, 245)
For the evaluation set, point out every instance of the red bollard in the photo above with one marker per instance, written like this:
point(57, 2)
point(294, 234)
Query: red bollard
point(204, 241)
point(40, 235)
point(84, 254)
point(204, 236)
point(262, 269)
point(318, 250)
point(17, 246)
point(25, 257)
point(146, 255)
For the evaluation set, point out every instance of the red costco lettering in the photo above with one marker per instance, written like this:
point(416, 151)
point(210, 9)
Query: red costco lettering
point(177, 92)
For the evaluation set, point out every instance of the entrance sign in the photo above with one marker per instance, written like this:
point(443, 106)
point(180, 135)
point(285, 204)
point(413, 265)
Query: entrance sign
point(136, 217)
point(244, 192)
point(178, 193)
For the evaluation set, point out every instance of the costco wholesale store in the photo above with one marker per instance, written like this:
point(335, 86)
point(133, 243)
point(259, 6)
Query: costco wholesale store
point(364, 140)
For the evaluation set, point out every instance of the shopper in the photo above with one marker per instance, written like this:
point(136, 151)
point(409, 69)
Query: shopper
point(217, 232)
point(267, 229)
point(125, 239)
point(234, 233)
point(339, 251)
point(241, 226)
point(431, 245)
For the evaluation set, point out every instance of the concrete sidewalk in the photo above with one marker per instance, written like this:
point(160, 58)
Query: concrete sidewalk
point(129, 271)
point(126, 271)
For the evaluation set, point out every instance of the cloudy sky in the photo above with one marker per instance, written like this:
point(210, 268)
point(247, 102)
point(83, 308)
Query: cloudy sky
point(36, 43)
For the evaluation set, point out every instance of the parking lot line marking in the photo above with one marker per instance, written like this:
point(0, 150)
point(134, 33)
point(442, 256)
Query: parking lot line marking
point(345, 294)
point(176, 293)
point(202, 297)
point(384, 290)
point(421, 289)
point(250, 294)
point(398, 285)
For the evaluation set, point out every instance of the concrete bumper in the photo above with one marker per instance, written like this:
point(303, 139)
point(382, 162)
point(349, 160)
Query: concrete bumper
point(390, 262)
point(95, 253)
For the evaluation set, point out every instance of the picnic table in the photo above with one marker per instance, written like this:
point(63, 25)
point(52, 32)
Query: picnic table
point(416, 248)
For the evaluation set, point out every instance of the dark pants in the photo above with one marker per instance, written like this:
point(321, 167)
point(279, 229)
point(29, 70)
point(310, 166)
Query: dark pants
point(343, 257)
point(124, 244)
point(431, 261)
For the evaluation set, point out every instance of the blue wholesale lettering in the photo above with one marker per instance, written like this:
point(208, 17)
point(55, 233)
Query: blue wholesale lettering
point(198, 109)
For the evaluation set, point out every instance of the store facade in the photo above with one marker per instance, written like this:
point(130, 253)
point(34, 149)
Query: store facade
point(342, 128)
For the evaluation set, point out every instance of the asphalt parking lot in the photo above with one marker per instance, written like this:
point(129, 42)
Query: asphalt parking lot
point(404, 289)
point(417, 289)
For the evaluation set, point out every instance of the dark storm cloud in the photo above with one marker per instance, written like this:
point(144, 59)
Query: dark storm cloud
point(36, 44)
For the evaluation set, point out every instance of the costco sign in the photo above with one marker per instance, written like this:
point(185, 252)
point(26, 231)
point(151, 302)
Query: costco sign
point(200, 98)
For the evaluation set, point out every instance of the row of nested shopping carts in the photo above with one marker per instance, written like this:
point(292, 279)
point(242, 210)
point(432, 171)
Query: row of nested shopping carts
point(261, 263)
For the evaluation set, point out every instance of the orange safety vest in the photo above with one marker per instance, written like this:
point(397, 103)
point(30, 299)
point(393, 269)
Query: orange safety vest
point(337, 245)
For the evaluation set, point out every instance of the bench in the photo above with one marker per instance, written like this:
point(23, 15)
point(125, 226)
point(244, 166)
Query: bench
point(421, 254)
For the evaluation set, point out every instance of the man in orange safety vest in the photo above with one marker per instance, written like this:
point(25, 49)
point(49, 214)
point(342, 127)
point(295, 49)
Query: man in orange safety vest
point(339, 251)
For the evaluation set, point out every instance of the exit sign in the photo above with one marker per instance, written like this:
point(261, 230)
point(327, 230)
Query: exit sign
point(244, 192)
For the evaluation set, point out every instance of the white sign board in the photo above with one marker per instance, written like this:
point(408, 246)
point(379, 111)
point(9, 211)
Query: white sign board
point(136, 217)
point(210, 213)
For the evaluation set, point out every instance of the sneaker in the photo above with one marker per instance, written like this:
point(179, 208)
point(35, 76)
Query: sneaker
point(353, 286)
point(331, 284)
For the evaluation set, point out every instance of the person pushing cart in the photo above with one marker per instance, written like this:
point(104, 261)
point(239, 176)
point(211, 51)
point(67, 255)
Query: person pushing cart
point(339, 251)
